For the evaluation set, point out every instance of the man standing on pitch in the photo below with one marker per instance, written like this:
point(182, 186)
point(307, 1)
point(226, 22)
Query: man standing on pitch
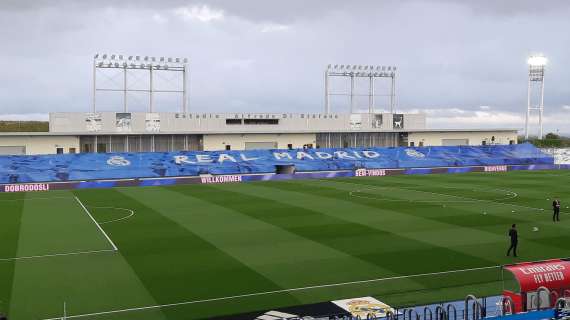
point(556, 210)
point(514, 240)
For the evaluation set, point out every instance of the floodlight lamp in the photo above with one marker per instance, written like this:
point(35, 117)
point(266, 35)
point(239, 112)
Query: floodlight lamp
point(153, 59)
point(116, 64)
point(112, 57)
point(161, 59)
point(394, 68)
point(389, 68)
point(104, 56)
point(354, 67)
point(365, 67)
point(169, 59)
point(121, 57)
point(96, 56)
point(100, 64)
point(177, 60)
point(125, 64)
point(335, 66)
point(146, 58)
point(137, 58)
point(165, 67)
point(185, 60)
point(130, 58)
point(110, 64)
point(537, 61)
point(342, 66)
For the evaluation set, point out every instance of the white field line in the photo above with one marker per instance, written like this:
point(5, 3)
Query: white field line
point(97, 224)
point(132, 213)
point(450, 195)
point(56, 255)
point(510, 195)
point(262, 293)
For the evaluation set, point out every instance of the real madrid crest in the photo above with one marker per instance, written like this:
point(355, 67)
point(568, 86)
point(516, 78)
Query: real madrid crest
point(415, 154)
point(118, 161)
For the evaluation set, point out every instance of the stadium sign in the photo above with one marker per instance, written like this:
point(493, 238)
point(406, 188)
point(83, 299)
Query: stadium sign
point(278, 156)
point(221, 179)
point(26, 187)
point(370, 173)
point(496, 168)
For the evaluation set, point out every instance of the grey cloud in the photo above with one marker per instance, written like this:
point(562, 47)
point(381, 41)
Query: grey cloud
point(461, 54)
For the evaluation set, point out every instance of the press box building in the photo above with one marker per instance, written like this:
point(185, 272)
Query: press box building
point(156, 132)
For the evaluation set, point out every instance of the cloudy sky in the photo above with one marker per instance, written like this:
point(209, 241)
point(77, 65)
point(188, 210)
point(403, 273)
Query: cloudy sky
point(461, 62)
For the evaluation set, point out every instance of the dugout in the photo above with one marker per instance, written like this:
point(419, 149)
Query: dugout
point(534, 285)
point(285, 169)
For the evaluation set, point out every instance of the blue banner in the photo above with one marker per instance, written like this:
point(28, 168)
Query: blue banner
point(91, 166)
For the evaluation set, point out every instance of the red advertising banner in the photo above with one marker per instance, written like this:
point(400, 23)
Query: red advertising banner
point(552, 274)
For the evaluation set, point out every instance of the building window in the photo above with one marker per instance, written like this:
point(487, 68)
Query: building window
point(72, 150)
point(421, 143)
point(59, 150)
point(261, 121)
point(290, 146)
point(412, 144)
point(484, 142)
point(228, 147)
point(233, 121)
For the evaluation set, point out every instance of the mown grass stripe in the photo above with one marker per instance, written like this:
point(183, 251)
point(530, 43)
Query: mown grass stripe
point(361, 241)
point(9, 236)
point(193, 268)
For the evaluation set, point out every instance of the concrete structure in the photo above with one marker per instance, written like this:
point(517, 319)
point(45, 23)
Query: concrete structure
point(37, 143)
point(462, 137)
point(160, 132)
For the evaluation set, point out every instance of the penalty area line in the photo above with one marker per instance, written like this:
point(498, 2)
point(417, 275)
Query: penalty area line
point(97, 224)
point(263, 293)
point(57, 255)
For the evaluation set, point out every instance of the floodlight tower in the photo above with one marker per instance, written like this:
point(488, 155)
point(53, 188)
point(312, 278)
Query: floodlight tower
point(148, 64)
point(360, 71)
point(536, 66)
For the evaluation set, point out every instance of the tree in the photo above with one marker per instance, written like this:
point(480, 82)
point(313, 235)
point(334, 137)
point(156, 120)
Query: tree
point(552, 136)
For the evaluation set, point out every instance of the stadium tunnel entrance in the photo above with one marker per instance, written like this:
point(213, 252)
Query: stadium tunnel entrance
point(536, 285)
point(285, 169)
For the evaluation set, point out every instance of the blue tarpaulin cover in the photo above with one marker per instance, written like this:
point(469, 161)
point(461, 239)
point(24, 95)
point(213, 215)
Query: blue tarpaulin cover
point(89, 166)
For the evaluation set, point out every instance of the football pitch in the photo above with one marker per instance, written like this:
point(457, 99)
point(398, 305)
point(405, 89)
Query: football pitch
point(199, 251)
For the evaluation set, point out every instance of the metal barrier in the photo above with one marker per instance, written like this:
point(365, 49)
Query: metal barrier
point(440, 313)
point(507, 306)
point(426, 309)
point(410, 312)
point(476, 308)
point(539, 303)
point(449, 308)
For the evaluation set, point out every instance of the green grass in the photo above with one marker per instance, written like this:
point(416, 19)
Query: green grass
point(24, 126)
point(200, 242)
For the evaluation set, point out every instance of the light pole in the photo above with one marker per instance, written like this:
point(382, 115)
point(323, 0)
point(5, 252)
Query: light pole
point(536, 66)
point(353, 72)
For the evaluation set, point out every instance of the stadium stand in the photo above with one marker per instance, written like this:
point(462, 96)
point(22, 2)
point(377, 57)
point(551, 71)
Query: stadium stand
point(93, 166)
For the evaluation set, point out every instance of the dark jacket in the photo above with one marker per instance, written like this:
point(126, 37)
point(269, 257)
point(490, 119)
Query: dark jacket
point(514, 235)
